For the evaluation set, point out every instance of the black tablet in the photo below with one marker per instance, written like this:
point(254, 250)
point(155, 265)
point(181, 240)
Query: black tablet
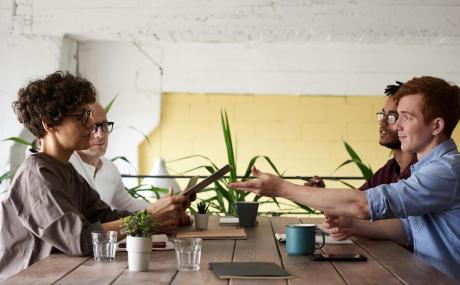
point(208, 180)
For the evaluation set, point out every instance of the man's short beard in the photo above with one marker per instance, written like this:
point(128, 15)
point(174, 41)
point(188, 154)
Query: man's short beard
point(392, 145)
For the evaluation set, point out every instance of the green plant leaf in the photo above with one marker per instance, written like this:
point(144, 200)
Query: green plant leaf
point(18, 140)
point(347, 184)
point(229, 144)
point(253, 160)
point(109, 105)
point(365, 170)
point(123, 158)
point(5, 175)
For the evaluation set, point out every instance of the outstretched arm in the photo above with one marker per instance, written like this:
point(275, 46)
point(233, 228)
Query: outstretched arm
point(337, 202)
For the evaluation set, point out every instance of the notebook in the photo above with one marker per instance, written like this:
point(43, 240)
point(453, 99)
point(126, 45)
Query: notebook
point(248, 270)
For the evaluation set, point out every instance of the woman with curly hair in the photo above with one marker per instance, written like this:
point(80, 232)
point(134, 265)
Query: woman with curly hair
point(50, 207)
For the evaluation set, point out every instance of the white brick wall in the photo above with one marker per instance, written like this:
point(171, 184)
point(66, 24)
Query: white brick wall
point(400, 21)
point(243, 46)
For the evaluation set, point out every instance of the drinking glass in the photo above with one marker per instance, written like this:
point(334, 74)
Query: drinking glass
point(104, 245)
point(188, 254)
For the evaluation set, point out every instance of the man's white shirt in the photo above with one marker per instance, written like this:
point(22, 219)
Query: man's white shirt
point(107, 182)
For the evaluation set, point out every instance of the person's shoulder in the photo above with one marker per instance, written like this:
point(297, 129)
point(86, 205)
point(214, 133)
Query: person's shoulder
point(451, 160)
point(390, 164)
point(31, 176)
point(37, 161)
point(107, 162)
point(75, 159)
point(448, 163)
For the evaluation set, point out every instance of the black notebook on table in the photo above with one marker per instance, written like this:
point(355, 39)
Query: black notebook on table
point(248, 270)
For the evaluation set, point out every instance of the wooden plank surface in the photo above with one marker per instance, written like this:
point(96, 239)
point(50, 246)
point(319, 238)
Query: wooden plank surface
point(368, 272)
point(302, 267)
point(162, 269)
point(388, 263)
point(212, 251)
point(94, 272)
point(260, 246)
point(403, 264)
point(47, 271)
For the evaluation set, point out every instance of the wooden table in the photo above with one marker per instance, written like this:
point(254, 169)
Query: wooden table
point(388, 263)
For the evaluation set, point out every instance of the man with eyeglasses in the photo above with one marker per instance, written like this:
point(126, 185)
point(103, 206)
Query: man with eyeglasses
point(398, 167)
point(100, 172)
point(424, 209)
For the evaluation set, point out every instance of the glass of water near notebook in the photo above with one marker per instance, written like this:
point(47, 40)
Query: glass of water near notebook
point(188, 254)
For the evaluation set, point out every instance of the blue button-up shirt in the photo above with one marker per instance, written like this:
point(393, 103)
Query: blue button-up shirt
point(429, 204)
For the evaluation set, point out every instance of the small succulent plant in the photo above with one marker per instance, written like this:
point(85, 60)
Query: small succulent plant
point(202, 208)
point(140, 224)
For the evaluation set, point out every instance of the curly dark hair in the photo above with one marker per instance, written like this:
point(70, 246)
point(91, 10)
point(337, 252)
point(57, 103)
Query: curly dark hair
point(391, 89)
point(51, 99)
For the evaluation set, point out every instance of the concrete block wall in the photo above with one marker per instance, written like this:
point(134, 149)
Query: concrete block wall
point(301, 134)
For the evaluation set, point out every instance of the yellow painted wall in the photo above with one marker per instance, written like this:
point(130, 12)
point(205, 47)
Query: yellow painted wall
point(302, 134)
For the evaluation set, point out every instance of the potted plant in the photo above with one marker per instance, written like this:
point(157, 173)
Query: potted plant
point(202, 217)
point(139, 228)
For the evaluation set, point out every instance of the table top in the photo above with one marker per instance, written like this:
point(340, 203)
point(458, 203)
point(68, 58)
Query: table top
point(388, 263)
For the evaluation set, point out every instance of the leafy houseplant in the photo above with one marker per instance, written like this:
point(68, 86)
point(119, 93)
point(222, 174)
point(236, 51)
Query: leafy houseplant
point(139, 228)
point(202, 217)
point(224, 199)
point(365, 169)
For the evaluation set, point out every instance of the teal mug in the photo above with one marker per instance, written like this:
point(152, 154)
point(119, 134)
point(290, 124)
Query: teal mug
point(300, 239)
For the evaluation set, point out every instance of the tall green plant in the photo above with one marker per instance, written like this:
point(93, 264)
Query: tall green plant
point(355, 159)
point(225, 198)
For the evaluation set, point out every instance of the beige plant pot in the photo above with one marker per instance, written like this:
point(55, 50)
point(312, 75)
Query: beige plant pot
point(201, 221)
point(139, 250)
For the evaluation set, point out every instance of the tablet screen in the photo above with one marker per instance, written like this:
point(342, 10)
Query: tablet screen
point(208, 180)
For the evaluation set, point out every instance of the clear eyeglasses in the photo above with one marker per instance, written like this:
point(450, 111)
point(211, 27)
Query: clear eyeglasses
point(391, 118)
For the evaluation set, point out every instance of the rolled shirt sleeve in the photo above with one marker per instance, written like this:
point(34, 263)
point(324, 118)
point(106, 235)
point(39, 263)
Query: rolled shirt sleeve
point(430, 190)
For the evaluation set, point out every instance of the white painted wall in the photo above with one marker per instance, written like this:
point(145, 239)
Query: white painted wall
point(130, 72)
point(303, 68)
point(21, 59)
point(331, 47)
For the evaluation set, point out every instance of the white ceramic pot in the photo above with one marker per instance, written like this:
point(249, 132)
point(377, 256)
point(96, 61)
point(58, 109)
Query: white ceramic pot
point(201, 221)
point(139, 250)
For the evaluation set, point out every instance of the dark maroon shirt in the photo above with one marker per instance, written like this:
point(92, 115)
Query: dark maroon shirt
point(389, 173)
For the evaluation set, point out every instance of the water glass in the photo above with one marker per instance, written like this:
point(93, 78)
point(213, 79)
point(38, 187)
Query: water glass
point(188, 254)
point(104, 245)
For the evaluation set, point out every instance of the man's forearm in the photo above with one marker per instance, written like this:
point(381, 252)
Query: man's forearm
point(391, 229)
point(338, 202)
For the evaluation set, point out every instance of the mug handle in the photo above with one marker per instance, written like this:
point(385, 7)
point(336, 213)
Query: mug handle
point(323, 238)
